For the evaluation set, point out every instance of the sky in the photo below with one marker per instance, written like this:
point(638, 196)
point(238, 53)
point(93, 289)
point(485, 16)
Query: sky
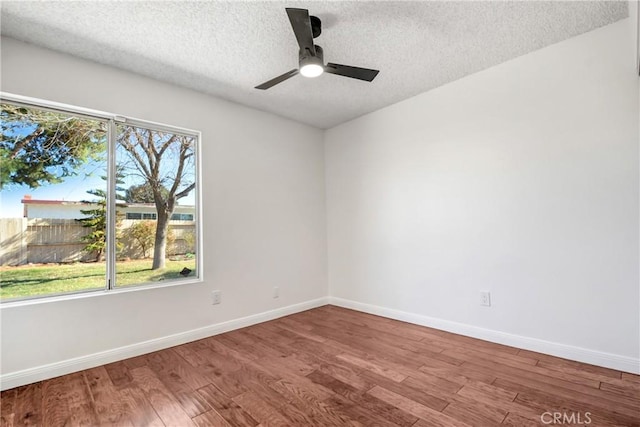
point(73, 189)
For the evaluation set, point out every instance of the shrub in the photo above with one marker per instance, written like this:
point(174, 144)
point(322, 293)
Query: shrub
point(143, 233)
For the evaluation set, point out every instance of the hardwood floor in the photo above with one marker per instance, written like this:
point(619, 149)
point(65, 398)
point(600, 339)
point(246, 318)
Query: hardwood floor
point(332, 367)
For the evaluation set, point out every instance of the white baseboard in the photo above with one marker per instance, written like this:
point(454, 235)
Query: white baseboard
point(39, 373)
point(593, 357)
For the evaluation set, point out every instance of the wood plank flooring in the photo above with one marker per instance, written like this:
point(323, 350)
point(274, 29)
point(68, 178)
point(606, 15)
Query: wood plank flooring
point(331, 367)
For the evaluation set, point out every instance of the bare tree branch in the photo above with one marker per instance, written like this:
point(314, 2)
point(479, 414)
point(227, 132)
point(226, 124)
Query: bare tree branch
point(185, 192)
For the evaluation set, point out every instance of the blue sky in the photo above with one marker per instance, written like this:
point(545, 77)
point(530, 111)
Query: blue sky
point(72, 189)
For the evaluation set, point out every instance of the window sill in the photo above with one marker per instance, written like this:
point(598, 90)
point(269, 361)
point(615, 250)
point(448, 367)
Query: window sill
point(93, 293)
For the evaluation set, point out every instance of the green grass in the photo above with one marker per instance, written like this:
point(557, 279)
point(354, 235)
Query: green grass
point(47, 279)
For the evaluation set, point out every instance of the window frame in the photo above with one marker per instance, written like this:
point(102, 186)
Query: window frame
point(111, 121)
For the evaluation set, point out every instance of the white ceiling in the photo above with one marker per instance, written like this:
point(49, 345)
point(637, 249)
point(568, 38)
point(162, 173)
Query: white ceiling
point(227, 48)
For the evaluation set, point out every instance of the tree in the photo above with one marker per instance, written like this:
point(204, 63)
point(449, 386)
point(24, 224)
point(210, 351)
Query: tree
point(143, 193)
point(96, 219)
point(161, 160)
point(39, 146)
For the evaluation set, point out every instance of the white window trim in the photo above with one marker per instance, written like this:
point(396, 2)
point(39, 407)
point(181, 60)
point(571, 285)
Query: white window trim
point(112, 119)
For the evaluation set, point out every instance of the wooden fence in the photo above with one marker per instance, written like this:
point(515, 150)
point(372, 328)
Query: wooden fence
point(43, 240)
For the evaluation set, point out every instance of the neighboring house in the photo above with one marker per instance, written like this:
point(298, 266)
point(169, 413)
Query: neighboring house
point(63, 209)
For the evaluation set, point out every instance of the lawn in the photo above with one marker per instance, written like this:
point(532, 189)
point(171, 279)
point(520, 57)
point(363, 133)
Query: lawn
point(45, 279)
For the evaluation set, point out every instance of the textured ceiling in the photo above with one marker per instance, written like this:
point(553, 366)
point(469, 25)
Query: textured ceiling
point(227, 48)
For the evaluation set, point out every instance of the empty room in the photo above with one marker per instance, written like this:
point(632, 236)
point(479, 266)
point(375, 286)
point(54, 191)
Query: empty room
point(323, 213)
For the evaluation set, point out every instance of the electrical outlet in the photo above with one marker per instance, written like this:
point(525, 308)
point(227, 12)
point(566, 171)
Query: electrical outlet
point(216, 297)
point(276, 292)
point(485, 298)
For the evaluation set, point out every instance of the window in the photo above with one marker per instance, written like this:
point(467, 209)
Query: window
point(146, 155)
point(88, 199)
point(182, 217)
point(141, 215)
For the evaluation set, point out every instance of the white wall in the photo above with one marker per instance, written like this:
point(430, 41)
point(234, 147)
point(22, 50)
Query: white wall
point(264, 215)
point(521, 180)
point(57, 211)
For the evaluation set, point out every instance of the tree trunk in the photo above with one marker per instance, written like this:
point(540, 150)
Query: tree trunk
point(160, 247)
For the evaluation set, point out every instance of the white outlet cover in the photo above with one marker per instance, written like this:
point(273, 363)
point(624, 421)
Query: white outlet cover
point(485, 298)
point(216, 297)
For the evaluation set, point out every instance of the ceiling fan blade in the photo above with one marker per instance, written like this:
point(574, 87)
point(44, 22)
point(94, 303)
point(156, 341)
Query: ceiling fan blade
point(366, 74)
point(301, 24)
point(279, 79)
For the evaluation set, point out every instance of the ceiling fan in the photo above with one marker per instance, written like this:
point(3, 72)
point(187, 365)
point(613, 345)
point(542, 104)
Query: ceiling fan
point(310, 57)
